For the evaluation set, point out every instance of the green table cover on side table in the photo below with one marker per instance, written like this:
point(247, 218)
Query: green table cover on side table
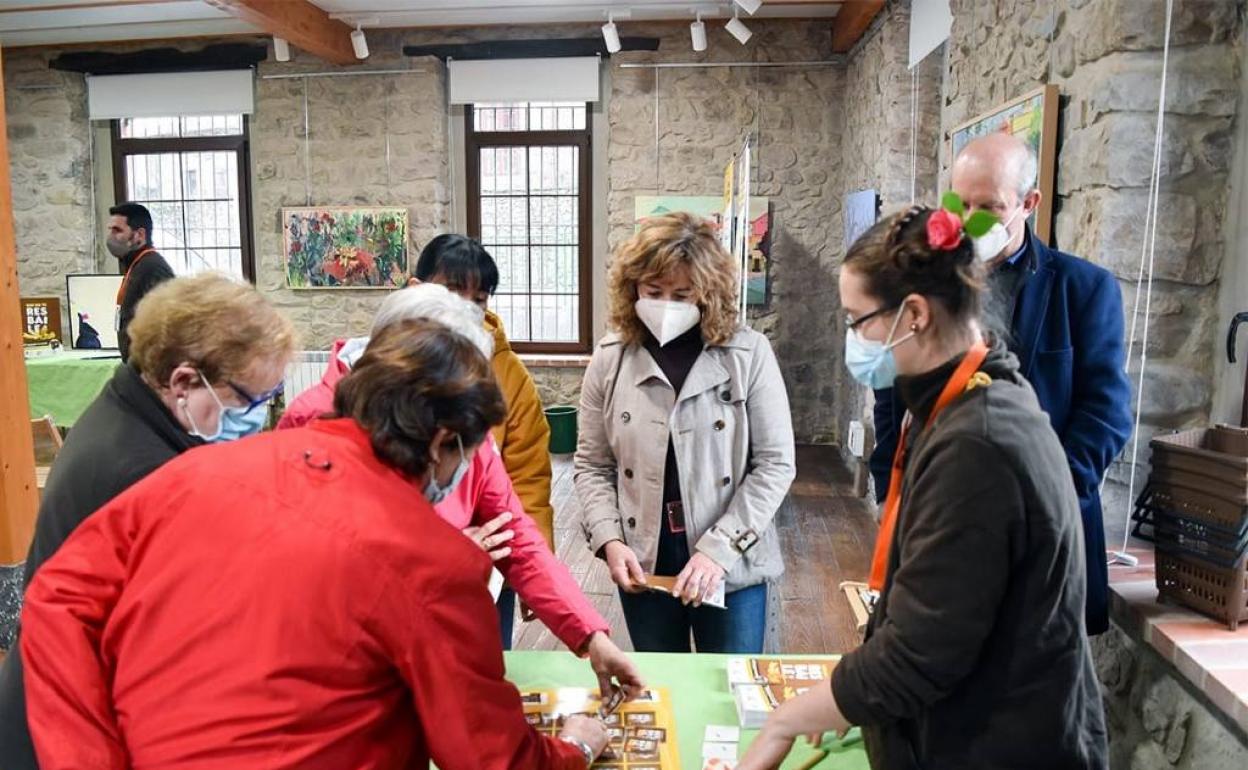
point(698, 687)
point(64, 385)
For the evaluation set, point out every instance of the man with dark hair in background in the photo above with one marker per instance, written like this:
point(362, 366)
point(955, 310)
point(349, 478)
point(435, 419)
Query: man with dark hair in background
point(129, 239)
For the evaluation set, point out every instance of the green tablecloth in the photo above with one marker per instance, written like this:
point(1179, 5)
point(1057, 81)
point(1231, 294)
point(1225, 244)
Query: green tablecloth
point(699, 692)
point(64, 385)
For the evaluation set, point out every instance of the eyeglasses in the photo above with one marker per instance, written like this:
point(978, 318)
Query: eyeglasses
point(854, 323)
point(260, 400)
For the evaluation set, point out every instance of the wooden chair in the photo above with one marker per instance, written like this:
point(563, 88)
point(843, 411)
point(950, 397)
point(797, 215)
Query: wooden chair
point(48, 443)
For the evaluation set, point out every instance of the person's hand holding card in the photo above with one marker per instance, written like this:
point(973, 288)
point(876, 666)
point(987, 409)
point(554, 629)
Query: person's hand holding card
point(592, 732)
point(626, 570)
point(614, 669)
point(700, 578)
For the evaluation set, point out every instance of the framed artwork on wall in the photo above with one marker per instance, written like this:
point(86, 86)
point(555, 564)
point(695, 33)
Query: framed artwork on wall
point(1033, 118)
point(345, 247)
point(93, 310)
point(41, 320)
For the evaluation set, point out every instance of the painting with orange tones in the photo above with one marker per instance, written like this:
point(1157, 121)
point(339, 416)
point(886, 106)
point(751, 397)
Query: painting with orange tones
point(345, 248)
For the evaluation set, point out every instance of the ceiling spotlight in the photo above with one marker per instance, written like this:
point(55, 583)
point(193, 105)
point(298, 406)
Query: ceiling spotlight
point(359, 43)
point(611, 35)
point(749, 6)
point(737, 29)
point(697, 31)
point(281, 49)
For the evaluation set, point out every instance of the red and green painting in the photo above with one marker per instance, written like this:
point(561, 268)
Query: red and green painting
point(345, 248)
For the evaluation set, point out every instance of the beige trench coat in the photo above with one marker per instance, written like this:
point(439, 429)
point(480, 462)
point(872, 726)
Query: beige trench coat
point(733, 437)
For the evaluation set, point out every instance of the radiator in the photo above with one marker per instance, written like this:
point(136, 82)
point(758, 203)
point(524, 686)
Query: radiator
point(304, 371)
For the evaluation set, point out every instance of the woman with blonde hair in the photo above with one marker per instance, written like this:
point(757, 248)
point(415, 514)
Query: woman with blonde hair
point(686, 444)
point(206, 356)
point(294, 601)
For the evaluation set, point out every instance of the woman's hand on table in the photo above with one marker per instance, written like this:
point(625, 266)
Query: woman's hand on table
point(613, 668)
point(489, 539)
point(592, 732)
point(810, 714)
point(625, 568)
point(698, 579)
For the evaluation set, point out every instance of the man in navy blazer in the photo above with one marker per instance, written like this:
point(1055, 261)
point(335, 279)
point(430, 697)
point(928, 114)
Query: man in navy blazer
point(1062, 317)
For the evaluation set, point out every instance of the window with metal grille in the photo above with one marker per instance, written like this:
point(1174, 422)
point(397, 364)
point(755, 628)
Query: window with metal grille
point(528, 172)
point(192, 174)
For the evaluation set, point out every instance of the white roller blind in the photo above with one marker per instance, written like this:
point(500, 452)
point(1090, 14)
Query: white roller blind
point(930, 24)
point(524, 80)
point(167, 94)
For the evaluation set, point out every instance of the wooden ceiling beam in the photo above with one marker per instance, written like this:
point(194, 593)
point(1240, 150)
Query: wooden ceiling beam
point(852, 21)
point(300, 22)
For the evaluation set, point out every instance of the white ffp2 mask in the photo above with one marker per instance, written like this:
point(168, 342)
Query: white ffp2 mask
point(667, 319)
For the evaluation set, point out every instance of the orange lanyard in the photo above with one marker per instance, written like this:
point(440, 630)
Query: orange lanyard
point(956, 385)
point(121, 290)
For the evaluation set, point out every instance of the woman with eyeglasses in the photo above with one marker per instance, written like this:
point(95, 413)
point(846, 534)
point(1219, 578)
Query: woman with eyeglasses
point(206, 356)
point(976, 653)
point(294, 600)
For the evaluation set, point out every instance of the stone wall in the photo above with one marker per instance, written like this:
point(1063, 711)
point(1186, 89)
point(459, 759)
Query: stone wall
point(50, 159)
point(886, 100)
point(1156, 720)
point(1105, 56)
point(558, 385)
point(703, 116)
point(376, 140)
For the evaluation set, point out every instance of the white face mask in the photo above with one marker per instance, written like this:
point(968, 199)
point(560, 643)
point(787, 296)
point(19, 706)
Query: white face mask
point(990, 245)
point(436, 492)
point(667, 319)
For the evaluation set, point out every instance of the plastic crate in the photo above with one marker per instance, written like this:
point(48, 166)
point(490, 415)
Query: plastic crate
point(1201, 456)
point(1190, 538)
point(1215, 512)
point(1219, 592)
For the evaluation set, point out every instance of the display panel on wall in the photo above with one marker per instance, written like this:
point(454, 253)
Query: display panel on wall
point(862, 209)
point(41, 320)
point(345, 248)
point(711, 207)
point(93, 310)
point(1033, 118)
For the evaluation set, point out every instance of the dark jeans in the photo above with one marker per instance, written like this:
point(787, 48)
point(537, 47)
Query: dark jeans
point(506, 614)
point(660, 623)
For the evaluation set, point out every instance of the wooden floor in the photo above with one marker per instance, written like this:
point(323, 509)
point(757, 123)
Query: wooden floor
point(826, 535)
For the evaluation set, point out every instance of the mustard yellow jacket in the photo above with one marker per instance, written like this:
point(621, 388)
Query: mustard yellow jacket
point(524, 437)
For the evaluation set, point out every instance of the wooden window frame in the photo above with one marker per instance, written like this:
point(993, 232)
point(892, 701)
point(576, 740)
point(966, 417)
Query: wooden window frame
point(239, 143)
point(474, 142)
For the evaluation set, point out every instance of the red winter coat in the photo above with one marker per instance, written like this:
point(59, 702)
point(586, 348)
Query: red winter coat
point(538, 577)
point(285, 601)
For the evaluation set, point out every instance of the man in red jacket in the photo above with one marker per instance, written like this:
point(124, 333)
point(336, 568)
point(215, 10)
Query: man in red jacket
point(292, 600)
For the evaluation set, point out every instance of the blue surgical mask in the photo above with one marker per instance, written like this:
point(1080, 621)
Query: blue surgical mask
point(435, 492)
point(233, 422)
point(871, 362)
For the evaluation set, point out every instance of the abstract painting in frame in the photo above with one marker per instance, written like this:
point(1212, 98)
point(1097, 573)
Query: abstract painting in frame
point(345, 247)
point(1031, 117)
